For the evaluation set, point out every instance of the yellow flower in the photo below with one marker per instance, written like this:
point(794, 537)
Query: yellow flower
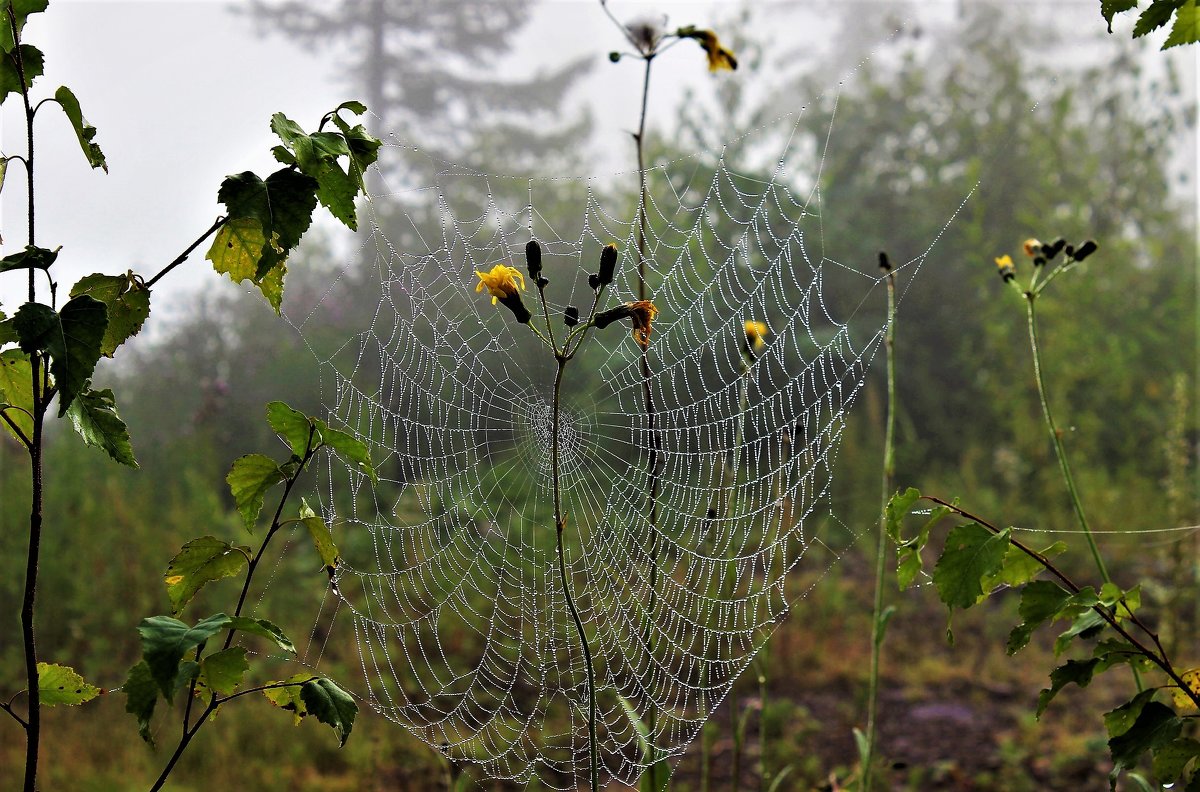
point(1004, 262)
point(642, 312)
point(501, 281)
point(756, 335)
point(718, 57)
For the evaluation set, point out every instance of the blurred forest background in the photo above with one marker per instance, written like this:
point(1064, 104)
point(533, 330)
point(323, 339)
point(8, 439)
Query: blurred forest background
point(1106, 152)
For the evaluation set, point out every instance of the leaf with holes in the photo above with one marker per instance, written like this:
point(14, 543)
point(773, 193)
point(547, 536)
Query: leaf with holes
point(198, 563)
point(60, 684)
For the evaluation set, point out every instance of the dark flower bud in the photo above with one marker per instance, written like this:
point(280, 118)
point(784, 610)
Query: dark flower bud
point(513, 303)
point(605, 318)
point(571, 316)
point(1054, 248)
point(614, 56)
point(884, 263)
point(1085, 250)
point(542, 281)
point(608, 264)
point(533, 258)
point(594, 281)
point(1039, 261)
point(1069, 250)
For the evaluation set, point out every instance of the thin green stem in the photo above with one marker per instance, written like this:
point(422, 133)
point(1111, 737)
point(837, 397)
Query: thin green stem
point(560, 522)
point(889, 472)
point(1056, 437)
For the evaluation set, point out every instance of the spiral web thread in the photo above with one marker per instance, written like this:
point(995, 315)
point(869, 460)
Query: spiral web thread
point(450, 581)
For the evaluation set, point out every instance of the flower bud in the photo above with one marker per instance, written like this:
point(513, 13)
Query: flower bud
point(571, 316)
point(614, 56)
point(884, 263)
point(542, 281)
point(608, 265)
point(533, 258)
point(1085, 250)
point(594, 281)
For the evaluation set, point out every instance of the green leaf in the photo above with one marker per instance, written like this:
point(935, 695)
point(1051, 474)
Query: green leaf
point(1186, 29)
point(1078, 671)
point(263, 629)
point(336, 191)
point(364, 148)
point(1086, 624)
point(21, 11)
point(972, 554)
point(292, 425)
point(237, 248)
point(16, 390)
point(292, 198)
point(60, 684)
point(249, 479)
point(897, 509)
point(1156, 726)
point(72, 337)
point(1040, 601)
point(10, 78)
point(349, 448)
point(1110, 8)
point(656, 776)
point(1119, 720)
point(128, 303)
point(1154, 17)
point(1170, 759)
point(8, 334)
point(165, 641)
point(198, 563)
point(223, 671)
point(1019, 567)
point(30, 258)
point(83, 130)
point(94, 416)
point(288, 697)
point(331, 705)
point(322, 538)
point(141, 694)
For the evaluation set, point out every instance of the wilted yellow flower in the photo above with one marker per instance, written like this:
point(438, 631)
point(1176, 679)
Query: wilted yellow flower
point(718, 57)
point(756, 335)
point(1032, 247)
point(501, 281)
point(642, 312)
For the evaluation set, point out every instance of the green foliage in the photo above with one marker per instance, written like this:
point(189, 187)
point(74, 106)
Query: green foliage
point(30, 258)
point(322, 538)
point(94, 417)
point(292, 425)
point(223, 671)
point(198, 563)
point(141, 696)
point(972, 555)
point(32, 65)
point(165, 641)
point(249, 479)
point(331, 705)
point(72, 338)
point(127, 300)
point(59, 684)
point(16, 392)
point(84, 131)
point(1185, 29)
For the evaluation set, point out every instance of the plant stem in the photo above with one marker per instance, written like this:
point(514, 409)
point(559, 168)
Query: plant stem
point(560, 522)
point(182, 257)
point(651, 423)
point(1056, 438)
point(889, 472)
point(33, 719)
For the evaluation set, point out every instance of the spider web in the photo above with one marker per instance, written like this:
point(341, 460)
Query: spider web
point(450, 579)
